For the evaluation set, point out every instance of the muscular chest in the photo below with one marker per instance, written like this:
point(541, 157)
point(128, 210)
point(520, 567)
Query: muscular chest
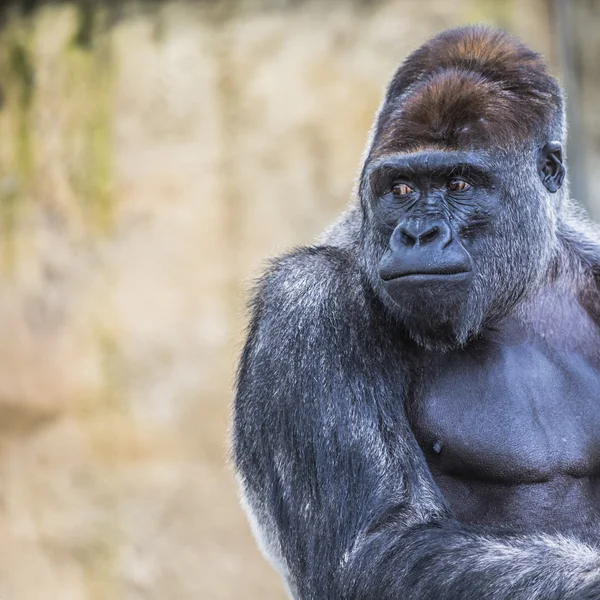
point(516, 414)
point(512, 434)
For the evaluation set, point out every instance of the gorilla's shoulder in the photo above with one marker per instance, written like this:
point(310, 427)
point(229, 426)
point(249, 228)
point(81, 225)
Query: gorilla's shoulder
point(312, 281)
point(316, 263)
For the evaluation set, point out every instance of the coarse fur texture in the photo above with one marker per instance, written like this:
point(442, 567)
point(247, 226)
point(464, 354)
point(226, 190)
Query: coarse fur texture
point(400, 441)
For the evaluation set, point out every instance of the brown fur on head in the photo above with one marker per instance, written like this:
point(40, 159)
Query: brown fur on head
point(469, 87)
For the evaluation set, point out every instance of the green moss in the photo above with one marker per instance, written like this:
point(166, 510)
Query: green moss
point(86, 22)
point(91, 79)
point(17, 166)
point(20, 76)
point(100, 152)
point(23, 71)
point(9, 202)
point(159, 26)
point(87, 76)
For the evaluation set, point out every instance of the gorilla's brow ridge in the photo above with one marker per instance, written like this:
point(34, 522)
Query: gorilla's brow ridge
point(434, 164)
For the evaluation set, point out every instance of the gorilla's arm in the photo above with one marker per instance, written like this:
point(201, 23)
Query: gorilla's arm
point(333, 475)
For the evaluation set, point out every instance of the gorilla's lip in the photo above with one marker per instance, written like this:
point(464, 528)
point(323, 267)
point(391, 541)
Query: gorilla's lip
point(445, 273)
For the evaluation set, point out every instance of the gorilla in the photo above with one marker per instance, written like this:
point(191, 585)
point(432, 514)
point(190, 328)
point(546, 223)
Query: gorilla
point(417, 413)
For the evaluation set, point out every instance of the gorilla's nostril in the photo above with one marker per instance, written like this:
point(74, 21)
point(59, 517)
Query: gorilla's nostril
point(430, 235)
point(407, 239)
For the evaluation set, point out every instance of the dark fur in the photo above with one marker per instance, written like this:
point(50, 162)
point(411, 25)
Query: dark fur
point(342, 497)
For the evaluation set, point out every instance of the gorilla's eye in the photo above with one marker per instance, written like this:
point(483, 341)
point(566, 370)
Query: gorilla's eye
point(401, 189)
point(458, 185)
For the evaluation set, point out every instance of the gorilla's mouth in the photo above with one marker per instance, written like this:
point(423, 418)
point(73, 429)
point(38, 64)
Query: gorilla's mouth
point(451, 271)
point(422, 264)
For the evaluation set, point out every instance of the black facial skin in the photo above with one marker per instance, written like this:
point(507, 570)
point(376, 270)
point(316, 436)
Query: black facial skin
point(437, 213)
point(417, 411)
point(433, 209)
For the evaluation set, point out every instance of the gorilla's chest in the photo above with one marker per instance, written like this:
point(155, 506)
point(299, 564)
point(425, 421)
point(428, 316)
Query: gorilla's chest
point(512, 430)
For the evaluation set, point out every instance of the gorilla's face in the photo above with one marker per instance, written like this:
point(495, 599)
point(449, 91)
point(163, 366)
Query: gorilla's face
point(460, 237)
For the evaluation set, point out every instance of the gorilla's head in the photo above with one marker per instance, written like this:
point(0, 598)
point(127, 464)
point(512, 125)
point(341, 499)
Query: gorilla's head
point(459, 188)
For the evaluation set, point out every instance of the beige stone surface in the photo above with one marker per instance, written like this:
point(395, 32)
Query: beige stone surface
point(148, 165)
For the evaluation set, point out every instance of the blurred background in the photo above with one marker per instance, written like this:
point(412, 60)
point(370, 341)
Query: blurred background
point(152, 155)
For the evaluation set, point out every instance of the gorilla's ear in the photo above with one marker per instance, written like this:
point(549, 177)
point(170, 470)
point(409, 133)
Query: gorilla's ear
point(550, 166)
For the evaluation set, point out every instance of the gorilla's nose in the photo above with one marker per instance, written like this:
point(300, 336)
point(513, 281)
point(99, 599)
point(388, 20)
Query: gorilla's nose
point(424, 247)
point(420, 233)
